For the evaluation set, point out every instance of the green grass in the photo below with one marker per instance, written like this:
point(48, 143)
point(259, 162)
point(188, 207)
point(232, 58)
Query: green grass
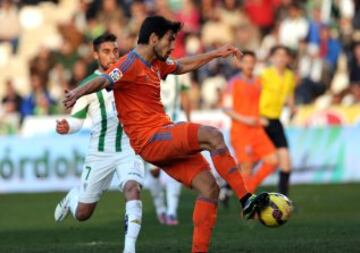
point(326, 219)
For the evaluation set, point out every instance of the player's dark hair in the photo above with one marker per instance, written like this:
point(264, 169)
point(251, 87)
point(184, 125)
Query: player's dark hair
point(276, 48)
point(105, 37)
point(158, 25)
point(248, 53)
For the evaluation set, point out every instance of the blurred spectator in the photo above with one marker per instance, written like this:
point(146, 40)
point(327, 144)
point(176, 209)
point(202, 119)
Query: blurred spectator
point(294, 28)
point(215, 32)
point(42, 63)
point(354, 71)
point(138, 14)
point(189, 15)
point(79, 73)
point(39, 102)
point(112, 17)
point(10, 25)
point(162, 8)
point(66, 56)
point(269, 41)
point(261, 13)
point(282, 9)
point(315, 27)
point(247, 37)
point(80, 15)
point(330, 49)
point(11, 100)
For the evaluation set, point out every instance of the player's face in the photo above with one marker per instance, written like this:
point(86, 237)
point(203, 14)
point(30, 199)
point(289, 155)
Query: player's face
point(247, 64)
point(164, 47)
point(280, 59)
point(107, 54)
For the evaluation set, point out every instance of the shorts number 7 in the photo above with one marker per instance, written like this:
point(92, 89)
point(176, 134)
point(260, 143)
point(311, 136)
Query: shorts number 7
point(88, 173)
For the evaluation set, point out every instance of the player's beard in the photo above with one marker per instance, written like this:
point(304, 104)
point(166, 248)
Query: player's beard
point(158, 55)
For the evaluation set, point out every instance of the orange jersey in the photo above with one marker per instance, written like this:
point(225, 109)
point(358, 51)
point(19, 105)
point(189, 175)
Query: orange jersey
point(250, 143)
point(245, 100)
point(136, 85)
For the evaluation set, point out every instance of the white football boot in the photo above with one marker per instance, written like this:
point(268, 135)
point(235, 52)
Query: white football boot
point(62, 209)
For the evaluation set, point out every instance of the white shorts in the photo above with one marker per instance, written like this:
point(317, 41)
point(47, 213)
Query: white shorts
point(99, 169)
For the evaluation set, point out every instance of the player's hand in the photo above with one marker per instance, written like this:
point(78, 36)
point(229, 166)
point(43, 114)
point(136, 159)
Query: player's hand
point(263, 121)
point(228, 50)
point(252, 121)
point(70, 99)
point(62, 126)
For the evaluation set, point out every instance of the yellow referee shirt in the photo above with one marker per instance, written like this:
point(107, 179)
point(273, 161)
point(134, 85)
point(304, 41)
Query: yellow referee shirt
point(275, 90)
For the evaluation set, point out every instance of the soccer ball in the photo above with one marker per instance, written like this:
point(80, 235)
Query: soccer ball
point(278, 212)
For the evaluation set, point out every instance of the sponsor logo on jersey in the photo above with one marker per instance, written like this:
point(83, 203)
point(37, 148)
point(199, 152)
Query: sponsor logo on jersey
point(116, 74)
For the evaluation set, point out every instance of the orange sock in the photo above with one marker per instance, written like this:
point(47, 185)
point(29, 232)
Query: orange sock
point(227, 169)
point(264, 171)
point(204, 218)
point(247, 178)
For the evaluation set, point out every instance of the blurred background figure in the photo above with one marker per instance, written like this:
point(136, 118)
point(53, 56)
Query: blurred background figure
point(10, 24)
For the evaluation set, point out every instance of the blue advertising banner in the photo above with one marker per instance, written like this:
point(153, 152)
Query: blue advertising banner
point(54, 163)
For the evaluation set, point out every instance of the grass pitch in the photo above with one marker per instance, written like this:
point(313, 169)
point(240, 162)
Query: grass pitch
point(326, 219)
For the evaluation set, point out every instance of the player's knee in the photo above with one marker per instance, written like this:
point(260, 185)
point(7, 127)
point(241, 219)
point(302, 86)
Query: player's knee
point(83, 215)
point(131, 190)
point(211, 191)
point(273, 160)
point(214, 137)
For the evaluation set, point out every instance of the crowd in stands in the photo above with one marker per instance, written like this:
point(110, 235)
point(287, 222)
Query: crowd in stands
point(323, 35)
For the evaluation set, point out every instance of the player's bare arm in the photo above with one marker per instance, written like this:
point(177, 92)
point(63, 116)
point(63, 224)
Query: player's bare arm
point(94, 85)
point(191, 63)
point(251, 121)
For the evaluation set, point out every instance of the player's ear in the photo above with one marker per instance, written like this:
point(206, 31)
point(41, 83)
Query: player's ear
point(153, 39)
point(96, 55)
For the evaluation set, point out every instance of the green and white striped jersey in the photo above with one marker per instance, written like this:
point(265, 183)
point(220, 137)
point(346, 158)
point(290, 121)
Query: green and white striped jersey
point(107, 134)
point(171, 89)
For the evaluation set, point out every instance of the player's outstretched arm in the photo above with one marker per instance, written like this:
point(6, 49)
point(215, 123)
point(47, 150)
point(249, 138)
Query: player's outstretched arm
point(94, 85)
point(191, 63)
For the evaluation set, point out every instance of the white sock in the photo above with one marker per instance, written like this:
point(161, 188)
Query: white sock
point(157, 194)
point(133, 215)
point(73, 196)
point(173, 189)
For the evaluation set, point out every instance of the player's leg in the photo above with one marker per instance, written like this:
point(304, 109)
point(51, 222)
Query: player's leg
point(172, 192)
point(133, 214)
point(276, 133)
point(95, 179)
point(157, 193)
point(246, 169)
point(131, 176)
point(194, 172)
point(211, 139)
point(265, 150)
point(188, 138)
point(205, 210)
point(285, 170)
point(269, 165)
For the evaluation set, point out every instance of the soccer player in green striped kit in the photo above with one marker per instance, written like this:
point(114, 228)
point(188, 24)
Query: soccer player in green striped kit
point(109, 152)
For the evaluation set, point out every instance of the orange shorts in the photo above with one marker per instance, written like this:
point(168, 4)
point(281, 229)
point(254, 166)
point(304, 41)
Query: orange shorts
point(252, 145)
point(175, 148)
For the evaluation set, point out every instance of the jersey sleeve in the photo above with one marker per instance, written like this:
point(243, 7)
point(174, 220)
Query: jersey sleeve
point(120, 72)
point(167, 67)
point(78, 114)
point(80, 108)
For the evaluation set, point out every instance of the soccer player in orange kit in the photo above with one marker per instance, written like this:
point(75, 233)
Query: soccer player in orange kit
point(248, 138)
point(176, 148)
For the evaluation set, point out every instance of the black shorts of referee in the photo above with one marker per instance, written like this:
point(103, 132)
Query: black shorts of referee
point(276, 133)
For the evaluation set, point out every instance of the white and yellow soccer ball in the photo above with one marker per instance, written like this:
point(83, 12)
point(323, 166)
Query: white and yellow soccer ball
point(277, 212)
